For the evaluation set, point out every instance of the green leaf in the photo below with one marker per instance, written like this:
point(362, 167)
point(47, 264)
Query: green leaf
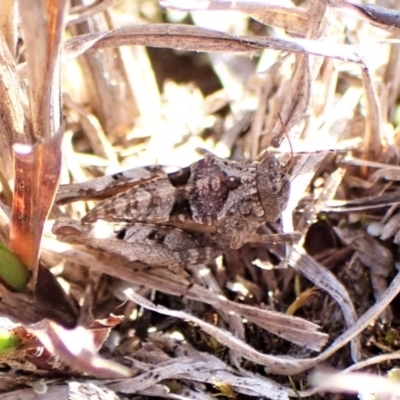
point(12, 270)
point(8, 342)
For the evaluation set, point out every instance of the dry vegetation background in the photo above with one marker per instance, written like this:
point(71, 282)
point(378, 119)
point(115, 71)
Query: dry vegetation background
point(93, 88)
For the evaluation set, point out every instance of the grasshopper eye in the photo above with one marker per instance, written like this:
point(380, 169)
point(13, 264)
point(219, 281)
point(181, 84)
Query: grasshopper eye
point(271, 184)
point(274, 187)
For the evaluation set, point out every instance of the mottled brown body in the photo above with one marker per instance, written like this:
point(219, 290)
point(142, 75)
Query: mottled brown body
point(207, 208)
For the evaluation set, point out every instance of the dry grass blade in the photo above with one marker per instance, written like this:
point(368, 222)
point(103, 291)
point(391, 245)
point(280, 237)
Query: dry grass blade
point(322, 278)
point(275, 365)
point(37, 171)
point(37, 168)
point(43, 28)
point(191, 38)
point(373, 145)
point(380, 16)
point(82, 13)
point(108, 85)
point(8, 21)
point(306, 71)
point(290, 328)
point(13, 121)
point(280, 14)
point(207, 370)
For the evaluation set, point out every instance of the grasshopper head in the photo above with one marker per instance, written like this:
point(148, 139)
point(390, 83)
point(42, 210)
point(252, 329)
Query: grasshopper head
point(273, 187)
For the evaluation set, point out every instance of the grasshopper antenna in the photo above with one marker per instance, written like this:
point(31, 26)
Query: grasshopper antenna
point(287, 137)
